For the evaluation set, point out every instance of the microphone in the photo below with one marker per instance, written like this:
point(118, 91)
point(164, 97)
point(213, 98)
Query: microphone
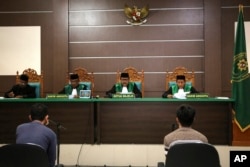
point(59, 126)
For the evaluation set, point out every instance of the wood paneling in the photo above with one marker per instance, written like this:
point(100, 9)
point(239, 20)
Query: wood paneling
point(151, 121)
point(131, 49)
point(117, 17)
point(204, 30)
point(60, 43)
point(26, 5)
point(76, 118)
point(101, 41)
point(142, 33)
point(114, 4)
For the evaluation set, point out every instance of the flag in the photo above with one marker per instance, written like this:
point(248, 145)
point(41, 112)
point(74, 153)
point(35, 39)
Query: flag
point(240, 77)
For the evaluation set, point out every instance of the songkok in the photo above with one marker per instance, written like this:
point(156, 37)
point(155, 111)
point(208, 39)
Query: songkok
point(24, 77)
point(181, 77)
point(124, 75)
point(74, 76)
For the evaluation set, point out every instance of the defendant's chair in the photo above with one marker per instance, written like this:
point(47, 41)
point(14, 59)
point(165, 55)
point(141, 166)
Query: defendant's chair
point(171, 76)
point(35, 80)
point(23, 155)
point(192, 155)
point(135, 76)
point(85, 78)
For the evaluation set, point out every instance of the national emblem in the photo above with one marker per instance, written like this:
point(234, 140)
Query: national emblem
point(136, 16)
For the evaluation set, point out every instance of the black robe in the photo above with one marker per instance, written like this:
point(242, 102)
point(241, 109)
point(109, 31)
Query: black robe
point(27, 91)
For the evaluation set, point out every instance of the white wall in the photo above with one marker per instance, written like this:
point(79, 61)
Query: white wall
point(20, 48)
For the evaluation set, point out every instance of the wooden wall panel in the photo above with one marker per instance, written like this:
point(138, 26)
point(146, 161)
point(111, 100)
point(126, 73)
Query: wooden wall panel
point(208, 52)
point(60, 43)
point(116, 4)
point(148, 64)
point(117, 17)
point(142, 33)
point(26, 5)
point(101, 41)
point(130, 49)
point(212, 33)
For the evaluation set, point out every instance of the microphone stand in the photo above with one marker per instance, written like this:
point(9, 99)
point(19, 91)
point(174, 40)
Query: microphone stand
point(58, 127)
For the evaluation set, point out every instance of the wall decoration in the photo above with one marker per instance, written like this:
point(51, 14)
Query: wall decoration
point(136, 15)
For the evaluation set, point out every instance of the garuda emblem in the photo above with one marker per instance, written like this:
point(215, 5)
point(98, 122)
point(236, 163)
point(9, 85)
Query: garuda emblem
point(136, 16)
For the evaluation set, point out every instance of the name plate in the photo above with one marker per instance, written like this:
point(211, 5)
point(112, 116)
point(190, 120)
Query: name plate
point(197, 95)
point(130, 95)
point(51, 96)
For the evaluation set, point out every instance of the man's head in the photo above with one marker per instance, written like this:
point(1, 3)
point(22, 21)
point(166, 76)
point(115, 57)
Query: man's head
point(185, 115)
point(39, 112)
point(180, 81)
point(23, 80)
point(74, 80)
point(124, 79)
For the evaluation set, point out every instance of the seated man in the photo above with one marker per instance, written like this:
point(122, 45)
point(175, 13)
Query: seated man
point(179, 88)
point(124, 87)
point(36, 132)
point(184, 117)
point(22, 89)
point(74, 87)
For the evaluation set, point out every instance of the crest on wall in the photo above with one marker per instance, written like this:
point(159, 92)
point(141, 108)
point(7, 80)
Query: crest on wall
point(135, 15)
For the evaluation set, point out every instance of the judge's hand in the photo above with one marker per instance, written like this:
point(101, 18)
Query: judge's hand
point(11, 94)
point(170, 96)
point(19, 96)
point(76, 96)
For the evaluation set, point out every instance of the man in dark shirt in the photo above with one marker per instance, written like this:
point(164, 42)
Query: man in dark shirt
point(22, 89)
point(37, 133)
point(124, 84)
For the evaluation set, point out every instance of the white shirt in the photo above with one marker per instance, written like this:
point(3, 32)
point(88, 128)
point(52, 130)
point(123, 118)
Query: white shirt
point(74, 92)
point(124, 89)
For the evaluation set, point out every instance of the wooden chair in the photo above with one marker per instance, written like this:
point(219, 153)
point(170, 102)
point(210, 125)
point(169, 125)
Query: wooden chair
point(171, 76)
point(85, 78)
point(35, 80)
point(135, 76)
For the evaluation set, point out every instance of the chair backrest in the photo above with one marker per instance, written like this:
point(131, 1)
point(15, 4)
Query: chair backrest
point(193, 155)
point(35, 80)
point(135, 76)
point(23, 155)
point(171, 76)
point(85, 77)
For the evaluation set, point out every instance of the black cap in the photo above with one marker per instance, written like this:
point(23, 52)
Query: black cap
point(124, 75)
point(24, 77)
point(74, 76)
point(182, 77)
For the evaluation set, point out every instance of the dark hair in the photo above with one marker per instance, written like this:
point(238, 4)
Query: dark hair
point(38, 111)
point(185, 114)
point(24, 77)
